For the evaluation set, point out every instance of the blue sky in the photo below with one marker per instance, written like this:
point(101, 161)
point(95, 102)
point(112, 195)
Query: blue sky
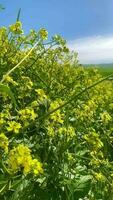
point(87, 25)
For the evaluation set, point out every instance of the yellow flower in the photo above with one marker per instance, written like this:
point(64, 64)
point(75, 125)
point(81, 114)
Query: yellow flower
point(105, 117)
point(43, 33)
point(93, 139)
point(27, 113)
point(37, 167)
point(56, 116)
point(69, 132)
point(99, 176)
point(34, 104)
point(41, 94)
point(4, 142)
point(51, 131)
point(16, 28)
point(70, 157)
point(14, 127)
point(20, 158)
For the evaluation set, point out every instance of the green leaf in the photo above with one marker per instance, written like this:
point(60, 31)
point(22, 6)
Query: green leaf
point(82, 187)
point(2, 7)
point(82, 183)
point(6, 89)
point(3, 188)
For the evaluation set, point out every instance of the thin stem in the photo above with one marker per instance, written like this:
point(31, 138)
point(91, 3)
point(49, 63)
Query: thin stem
point(8, 73)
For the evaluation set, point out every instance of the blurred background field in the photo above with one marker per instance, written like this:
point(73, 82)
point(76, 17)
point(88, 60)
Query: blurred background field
point(104, 69)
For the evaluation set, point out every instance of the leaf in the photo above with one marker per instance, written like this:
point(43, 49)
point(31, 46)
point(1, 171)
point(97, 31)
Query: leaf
point(2, 7)
point(82, 183)
point(3, 188)
point(82, 187)
point(7, 90)
point(2, 182)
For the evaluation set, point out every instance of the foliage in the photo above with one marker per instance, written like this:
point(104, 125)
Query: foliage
point(1, 7)
point(56, 121)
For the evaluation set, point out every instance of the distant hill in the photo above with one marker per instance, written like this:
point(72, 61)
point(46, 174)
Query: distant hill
point(99, 65)
point(104, 69)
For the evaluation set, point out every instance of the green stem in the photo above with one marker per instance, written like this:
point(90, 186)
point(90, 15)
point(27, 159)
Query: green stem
point(8, 73)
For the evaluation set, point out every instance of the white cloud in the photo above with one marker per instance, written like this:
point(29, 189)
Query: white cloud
point(97, 49)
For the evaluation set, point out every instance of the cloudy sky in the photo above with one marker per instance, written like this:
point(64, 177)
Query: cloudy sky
point(87, 25)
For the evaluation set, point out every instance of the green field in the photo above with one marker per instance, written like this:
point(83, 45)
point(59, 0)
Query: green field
point(104, 69)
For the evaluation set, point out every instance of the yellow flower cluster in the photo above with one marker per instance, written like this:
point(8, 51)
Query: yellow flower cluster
point(20, 159)
point(16, 28)
point(86, 111)
point(93, 140)
point(41, 94)
point(56, 116)
point(13, 126)
point(43, 33)
point(3, 33)
point(36, 167)
point(25, 86)
point(4, 142)
point(105, 117)
point(69, 132)
point(34, 104)
point(99, 176)
point(4, 116)
point(97, 158)
point(27, 114)
point(64, 132)
point(70, 157)
point(51, 131)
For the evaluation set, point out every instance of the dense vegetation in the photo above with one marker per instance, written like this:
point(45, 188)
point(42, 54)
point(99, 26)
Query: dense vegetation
point(56, 121)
